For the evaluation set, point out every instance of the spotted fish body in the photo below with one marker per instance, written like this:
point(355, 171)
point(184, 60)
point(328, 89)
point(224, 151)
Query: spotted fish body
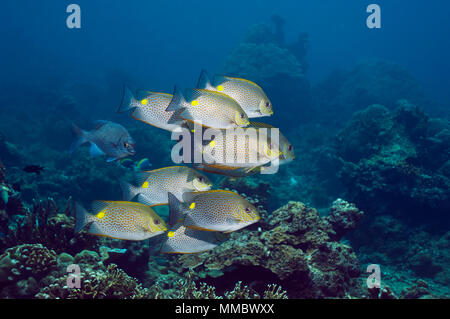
point(250, 148)
point(287, 149)
point(153, 186)
point(208, 108)
point(249, 95)
point(150, 108)
point(183, 240)
point(216, 210)
point(120, 220)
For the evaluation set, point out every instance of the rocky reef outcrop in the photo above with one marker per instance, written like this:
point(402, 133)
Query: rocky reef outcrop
point(300, 251)
point(396, 162)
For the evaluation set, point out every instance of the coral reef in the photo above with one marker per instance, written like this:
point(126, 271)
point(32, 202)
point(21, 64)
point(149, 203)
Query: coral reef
point(186, 288)
point(21, 267)
point(296, 251)
point(398, 159)
point(44, 224)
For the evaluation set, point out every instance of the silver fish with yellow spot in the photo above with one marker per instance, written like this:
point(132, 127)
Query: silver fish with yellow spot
point(153, 186)
point(120, 220)
point(287, 149)
point(183, 240)
point(207, 108)
point(150, 108)
point(248, 94)
point(217, 210)
point(231, 149)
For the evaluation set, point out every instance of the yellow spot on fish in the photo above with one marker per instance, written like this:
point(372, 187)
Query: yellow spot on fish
point(220, 88)
point(194, 103)
point(212, 143)
point(192, 206)
point(101, 215)
point(193, 131)
point(144, 102)
point(170, 234)
point(145, 185)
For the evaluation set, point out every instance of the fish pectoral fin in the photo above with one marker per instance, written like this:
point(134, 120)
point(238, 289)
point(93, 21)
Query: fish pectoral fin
point(95, 150)
point(250, 169)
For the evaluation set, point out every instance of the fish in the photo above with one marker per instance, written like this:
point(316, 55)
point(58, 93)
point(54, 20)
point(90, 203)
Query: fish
point(249, 95)
point(250, 148)
point(153, 186)
point(143, 164)
point(207, 108)
point(120, 220)
point(232, 172)
point(287, 149)
point(182, 240)
point(37, 169)
point(150, 108)
point(214, 210)
point(107, 138)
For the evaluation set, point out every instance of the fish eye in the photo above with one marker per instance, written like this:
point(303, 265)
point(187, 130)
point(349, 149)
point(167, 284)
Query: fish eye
point(290, 147)
point(200, 179)
point(247, 210)
point(267, 104)
point(242, 115)
point(156, 222)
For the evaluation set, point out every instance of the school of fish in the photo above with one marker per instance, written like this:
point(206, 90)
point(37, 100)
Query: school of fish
point(199, 218)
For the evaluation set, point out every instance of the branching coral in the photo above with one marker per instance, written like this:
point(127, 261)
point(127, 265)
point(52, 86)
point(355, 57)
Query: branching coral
point(19, 263)
point(43, 224)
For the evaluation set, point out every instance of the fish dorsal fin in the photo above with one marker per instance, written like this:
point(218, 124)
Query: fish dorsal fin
point(95, 150)
point(99, 205)
point(141, 94)
point(193, 94)
point(190, 196)
point(259, 124)
point(141, 177)
point(219, 79)
point(98, 124)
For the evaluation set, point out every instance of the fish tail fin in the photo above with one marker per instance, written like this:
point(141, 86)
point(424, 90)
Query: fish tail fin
point(178, 101)
point(176, 105)
point(176, 209)
point(204, 82)
point(79, 137)
point(82, 217)
point(128, 191)
point(128, 100)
